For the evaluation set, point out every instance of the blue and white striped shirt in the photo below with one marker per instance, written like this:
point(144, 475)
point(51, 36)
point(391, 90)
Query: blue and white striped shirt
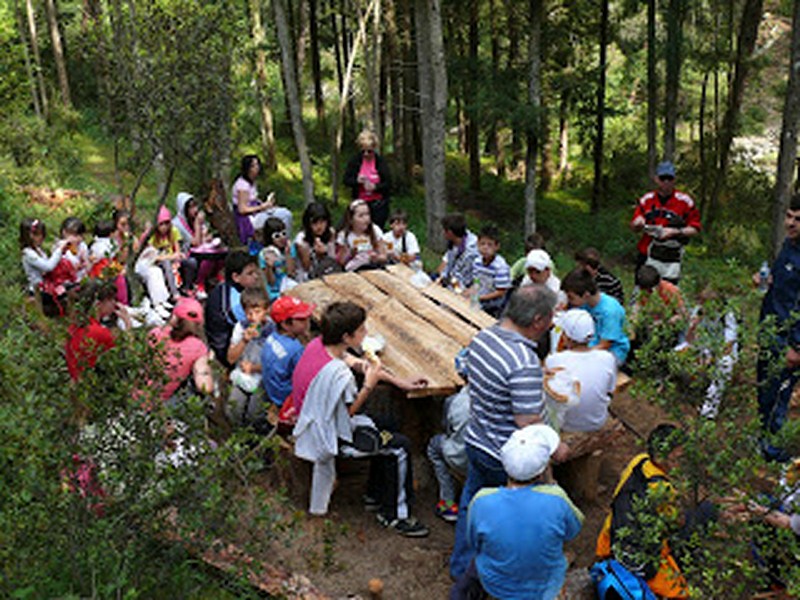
point(505, 379)
point(492, 277)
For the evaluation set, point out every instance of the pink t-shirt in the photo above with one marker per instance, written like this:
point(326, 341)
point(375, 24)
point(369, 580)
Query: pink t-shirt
point(369, 171)
point(314, 358)
point(179, 357)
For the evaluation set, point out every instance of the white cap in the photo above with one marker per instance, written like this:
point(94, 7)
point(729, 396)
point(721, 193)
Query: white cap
point(527, 452)
point(578, 325)
point(539, 260)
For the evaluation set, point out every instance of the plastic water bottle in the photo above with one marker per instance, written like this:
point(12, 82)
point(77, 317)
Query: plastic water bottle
point(763, 277)
point(473, 295)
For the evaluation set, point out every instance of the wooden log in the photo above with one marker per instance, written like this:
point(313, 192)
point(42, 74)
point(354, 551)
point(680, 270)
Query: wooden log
point(355, 288)
point(444, 320)
point(317, 292)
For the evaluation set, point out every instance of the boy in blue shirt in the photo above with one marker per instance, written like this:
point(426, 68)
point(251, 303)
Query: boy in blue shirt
point(283, 349)
point(608, 314)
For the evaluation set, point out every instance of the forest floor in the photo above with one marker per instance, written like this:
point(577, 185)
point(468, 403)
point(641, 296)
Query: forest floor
point(342, 553)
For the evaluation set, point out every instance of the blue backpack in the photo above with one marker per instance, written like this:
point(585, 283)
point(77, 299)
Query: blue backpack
point(614, 582)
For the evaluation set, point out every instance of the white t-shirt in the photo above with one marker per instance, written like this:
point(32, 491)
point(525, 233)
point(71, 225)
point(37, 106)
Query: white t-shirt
point(394, 246)
point(357, 243)
point(597, 372)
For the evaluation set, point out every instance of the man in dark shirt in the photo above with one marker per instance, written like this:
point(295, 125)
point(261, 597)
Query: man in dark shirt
point(783, 298)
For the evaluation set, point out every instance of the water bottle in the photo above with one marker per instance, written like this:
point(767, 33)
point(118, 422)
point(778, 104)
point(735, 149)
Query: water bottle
point(473, 294)
point(763, 277)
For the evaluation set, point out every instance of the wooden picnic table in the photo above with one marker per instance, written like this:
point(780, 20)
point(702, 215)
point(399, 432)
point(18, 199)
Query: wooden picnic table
point(424, 328)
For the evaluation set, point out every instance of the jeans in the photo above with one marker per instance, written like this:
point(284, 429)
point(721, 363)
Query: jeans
point(482, 471)
point(447, 487)
point(774, 393)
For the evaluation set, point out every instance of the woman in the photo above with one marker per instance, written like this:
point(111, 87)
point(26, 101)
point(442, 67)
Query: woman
point(249, 212)
point(368, 177)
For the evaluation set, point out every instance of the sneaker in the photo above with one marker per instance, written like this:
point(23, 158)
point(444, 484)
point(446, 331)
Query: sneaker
point(447, 510)
point(201, 294)
point(370, 503)
point(409, 527)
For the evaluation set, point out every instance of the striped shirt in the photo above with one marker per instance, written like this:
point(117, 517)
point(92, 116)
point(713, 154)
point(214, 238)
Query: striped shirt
point(490, 278)
point(610, 284)
point(505, 379)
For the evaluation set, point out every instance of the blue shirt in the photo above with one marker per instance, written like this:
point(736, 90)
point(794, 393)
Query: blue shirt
point(783, 296)
point(278, 359)
point(505, 379)
point(519, 535)
point(609, 324)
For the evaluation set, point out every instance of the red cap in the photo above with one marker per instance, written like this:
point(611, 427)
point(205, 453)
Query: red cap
point(289, 307)
point(189, 309)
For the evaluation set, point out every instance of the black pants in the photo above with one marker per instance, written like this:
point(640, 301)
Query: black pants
point(391, 479)
point(379, 211)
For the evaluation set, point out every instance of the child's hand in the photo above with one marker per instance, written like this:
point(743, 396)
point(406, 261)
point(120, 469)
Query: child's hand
point(372, 371)
point(319, 247)
point(251, 333)
point(269, 202)
point(269, 258)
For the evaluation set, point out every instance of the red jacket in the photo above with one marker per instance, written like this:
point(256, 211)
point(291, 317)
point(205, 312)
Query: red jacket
point(678, 211)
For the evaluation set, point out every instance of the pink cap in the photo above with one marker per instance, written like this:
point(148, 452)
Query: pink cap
point(163, 214)
point(189, 309)
point(289, 307)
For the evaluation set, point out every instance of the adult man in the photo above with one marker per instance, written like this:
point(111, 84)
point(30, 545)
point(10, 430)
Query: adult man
point(519, 530)
point(506, 394)
point(777, 369)
point(668, 218)
point(596, 370)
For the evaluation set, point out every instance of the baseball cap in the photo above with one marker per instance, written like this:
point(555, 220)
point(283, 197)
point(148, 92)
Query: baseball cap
point(665, 169)
point(578, 325)
point(163, 214)
point(289, 307)
point(527, 452)
point(539, 260)
point(189, 309)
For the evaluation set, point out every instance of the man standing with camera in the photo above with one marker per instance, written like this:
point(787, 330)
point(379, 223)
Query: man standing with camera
point(667, 218)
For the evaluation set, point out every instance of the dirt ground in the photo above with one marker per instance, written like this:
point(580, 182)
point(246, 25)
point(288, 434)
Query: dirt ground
point(341, 553)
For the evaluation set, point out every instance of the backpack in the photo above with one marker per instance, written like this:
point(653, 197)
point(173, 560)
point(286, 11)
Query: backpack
point(614, 582)
point(622, 515)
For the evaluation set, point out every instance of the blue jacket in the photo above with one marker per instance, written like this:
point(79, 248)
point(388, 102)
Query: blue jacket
point(783, 296)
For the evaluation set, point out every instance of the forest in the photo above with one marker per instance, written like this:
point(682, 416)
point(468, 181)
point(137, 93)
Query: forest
point(541, 116)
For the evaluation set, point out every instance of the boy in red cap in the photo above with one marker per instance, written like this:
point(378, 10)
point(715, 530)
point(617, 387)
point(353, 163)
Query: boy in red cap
point(283, 349)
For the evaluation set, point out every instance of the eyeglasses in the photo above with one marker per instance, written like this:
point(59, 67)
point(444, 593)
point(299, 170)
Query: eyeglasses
point(278, 234)
point(666, 178)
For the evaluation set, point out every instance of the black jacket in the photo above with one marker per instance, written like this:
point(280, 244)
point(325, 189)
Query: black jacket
point(384, 187)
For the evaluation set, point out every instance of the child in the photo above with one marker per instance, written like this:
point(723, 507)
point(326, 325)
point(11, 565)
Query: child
point(166, 240)
point(315, 244)
point(195, 236)
point(589, 259)
point(448, 450)
point(275, 258)
point(330, 413)
point(462, 250)
point(223, 307)
point(35, 262)
point(533, 241)
point(608, 314)
point(284, 347)
point(359, 244)
point(102, 245)
point(401, 244)
point(245, 405)
point(492, 275)
point(76, 252)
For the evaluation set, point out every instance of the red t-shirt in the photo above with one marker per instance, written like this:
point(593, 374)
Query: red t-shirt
point(679, 208)
point(314, 358)
point(85, 345)
point(179, 357)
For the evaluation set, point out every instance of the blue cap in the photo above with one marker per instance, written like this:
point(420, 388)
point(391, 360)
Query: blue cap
point(665, 169)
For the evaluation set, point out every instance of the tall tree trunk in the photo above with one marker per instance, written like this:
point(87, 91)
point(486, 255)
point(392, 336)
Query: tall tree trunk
point(336, 47)
point(372, 64)
point(563, 134)
point(293, 95)
point(262, 89)
point(517, 133)
point(37, 60)
point(674, 51)
point(473, 127)
point(351, 109)
point(395, 75)
point(37, 107)
point(410, 91)
point(597, 187)
point(701, 122)
point(316, 68)
point(432, 70)
point(788, 148)
point(58, 52)
point(748, 32)
point(545, 152)
point(534, 101)
point(337, 145)
point(652, 90)
point(302, 37)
